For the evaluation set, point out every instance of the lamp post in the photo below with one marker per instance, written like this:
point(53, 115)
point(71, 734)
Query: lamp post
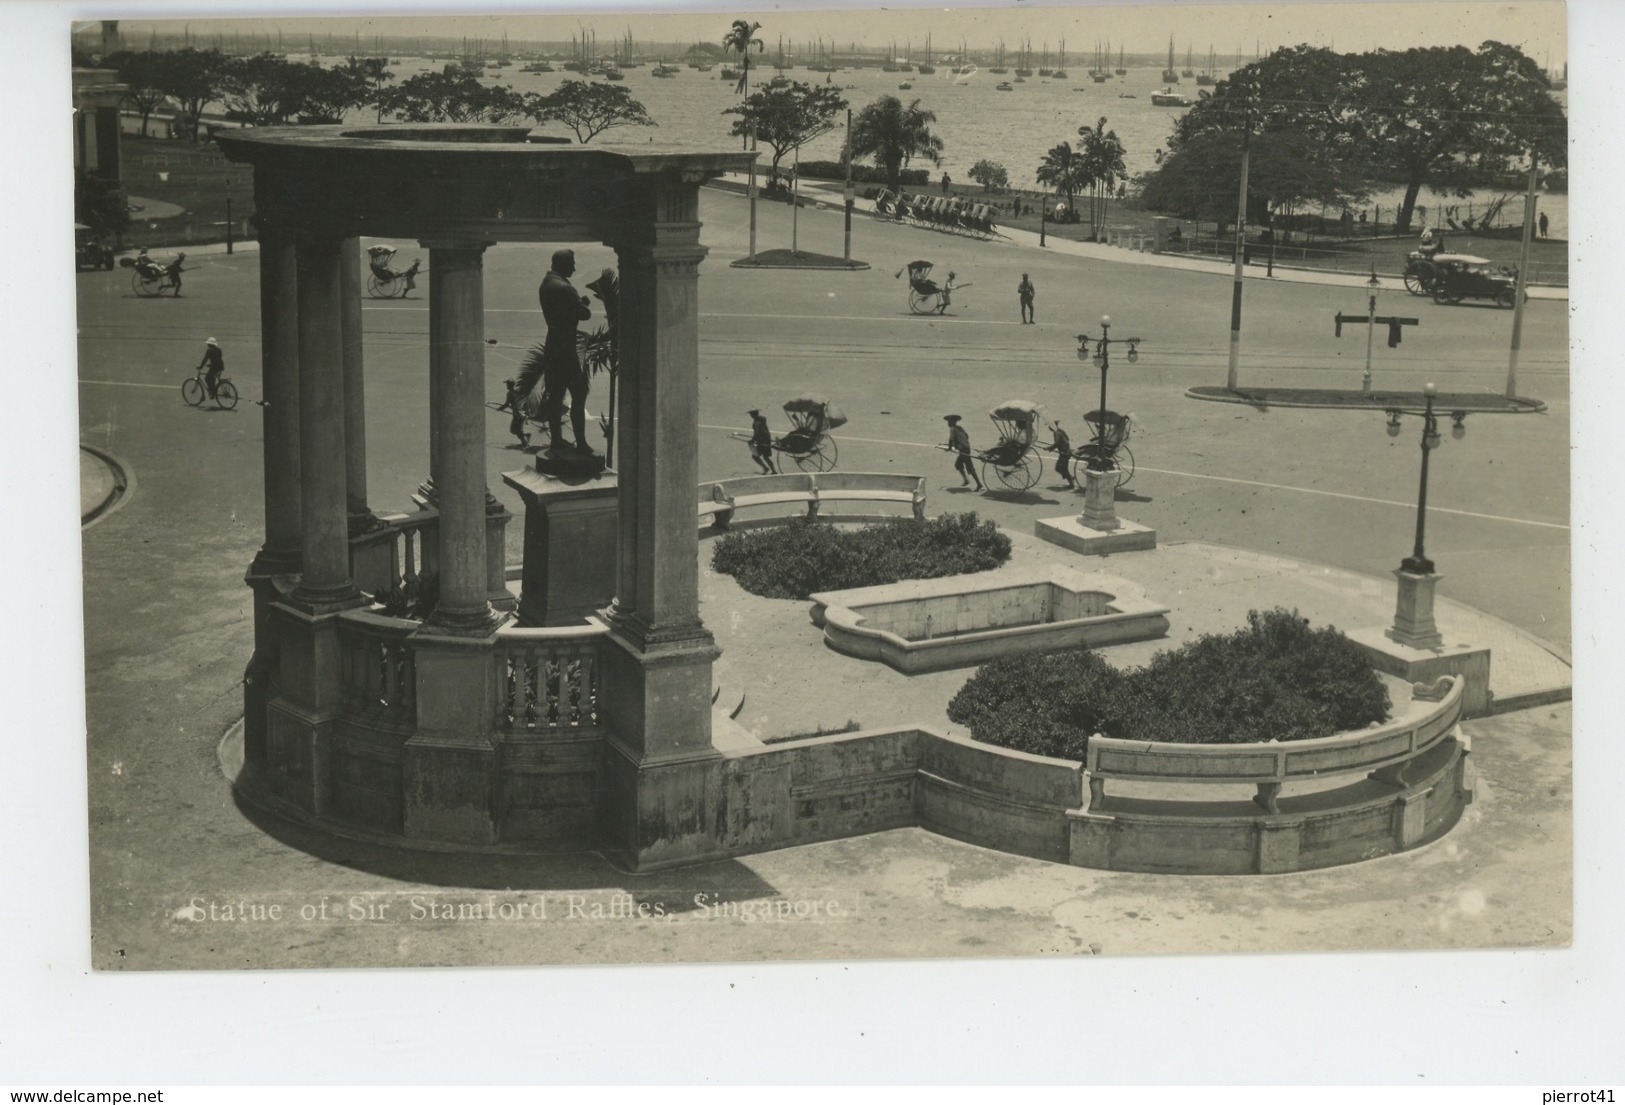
point(1101, 458)
point(1370, 329)
point(1418, 563)
point(228, 215)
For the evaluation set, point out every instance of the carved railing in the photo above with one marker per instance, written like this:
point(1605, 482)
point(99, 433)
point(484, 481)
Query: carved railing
point(378, 679)
point(397, 554)
point(549, 680)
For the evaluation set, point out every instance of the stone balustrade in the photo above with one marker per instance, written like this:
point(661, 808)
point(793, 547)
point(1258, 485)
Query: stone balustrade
point(377, 682)
point(549, 679)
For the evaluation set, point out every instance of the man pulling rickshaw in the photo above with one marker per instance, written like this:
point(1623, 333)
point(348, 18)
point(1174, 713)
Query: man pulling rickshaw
point(926, 296)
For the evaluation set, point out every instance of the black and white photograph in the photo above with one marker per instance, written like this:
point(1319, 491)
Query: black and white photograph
point(586, 487)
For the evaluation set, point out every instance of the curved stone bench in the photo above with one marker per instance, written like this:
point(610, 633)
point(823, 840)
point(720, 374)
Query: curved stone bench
point(719, 499)
point(1414, 789)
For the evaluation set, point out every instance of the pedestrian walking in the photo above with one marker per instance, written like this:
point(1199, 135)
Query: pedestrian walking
point(217, 365)
point(515, 403)
point(761, 443)
point(1025, 292)
point(1543, 224)
point(959, 444)
point(1062, 444)
point(946, 181)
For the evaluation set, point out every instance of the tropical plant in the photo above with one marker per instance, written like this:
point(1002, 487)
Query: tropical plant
point(1062, 170)
point(992, 176)
point(1100, 155)
point(374, 74)
point(894, 135)
point(192, 78)
point(143, 72)
point(740, 38)
point(785, 118)
point(588, 109)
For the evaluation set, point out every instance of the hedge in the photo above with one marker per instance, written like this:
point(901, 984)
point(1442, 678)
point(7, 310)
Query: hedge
point(1274, 680)
point(794, 560)
point(861, 174)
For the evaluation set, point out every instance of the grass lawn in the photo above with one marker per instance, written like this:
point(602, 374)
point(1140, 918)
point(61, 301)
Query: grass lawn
point(199, 179)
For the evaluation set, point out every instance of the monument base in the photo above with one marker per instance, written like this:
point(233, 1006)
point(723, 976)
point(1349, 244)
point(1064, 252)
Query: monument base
point(569, 464)
point(1070, 533)
point(1423, 665)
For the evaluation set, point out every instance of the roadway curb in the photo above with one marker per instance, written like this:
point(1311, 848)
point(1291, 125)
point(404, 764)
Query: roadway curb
point(123, 486)
point(1207, 394)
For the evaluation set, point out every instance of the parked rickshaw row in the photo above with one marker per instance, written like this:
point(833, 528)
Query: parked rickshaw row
point(937, 212)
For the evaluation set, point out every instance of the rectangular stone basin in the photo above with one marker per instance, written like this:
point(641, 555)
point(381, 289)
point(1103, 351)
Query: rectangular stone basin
point(933, 624)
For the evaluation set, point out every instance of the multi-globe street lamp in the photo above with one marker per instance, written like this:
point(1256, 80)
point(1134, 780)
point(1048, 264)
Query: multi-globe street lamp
point(1100, 458)
point(1418, 563)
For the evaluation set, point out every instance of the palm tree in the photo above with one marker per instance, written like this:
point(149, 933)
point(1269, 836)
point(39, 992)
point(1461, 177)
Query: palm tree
point(740, 39)
point(1101, 157)
point(1062, 170)
point(894, 135)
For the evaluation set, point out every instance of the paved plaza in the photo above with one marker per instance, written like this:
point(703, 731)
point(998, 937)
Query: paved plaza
point(1254, 508)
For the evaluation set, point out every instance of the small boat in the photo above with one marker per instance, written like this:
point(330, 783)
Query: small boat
point(905, 86)
point(1005, 86)
point(729, 73)
point(1127, 96)
point(664, 70)
point(614, 75)
point(1169, 98)
point(1059, 74)
point(780, 81)
point(537, 67)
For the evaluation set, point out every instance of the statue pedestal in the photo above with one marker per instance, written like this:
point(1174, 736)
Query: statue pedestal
point(1098, 531)
point(569, 464)
point(570, 548)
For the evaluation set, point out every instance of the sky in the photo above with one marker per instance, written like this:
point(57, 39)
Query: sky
point(1537, 28)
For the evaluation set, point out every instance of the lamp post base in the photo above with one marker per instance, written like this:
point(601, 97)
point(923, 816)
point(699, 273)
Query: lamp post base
point(1069, 532)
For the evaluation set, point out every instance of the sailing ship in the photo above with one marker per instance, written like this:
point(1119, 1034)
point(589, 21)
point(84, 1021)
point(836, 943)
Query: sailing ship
point(1098, 74)
point(1170, 75)
point(1206, 78)
point(1060, 64)
point(998, 65)
point(1187, 71)
point(1024, 68)
point(925, 67)
point(1043, 63)
point(1122, 71)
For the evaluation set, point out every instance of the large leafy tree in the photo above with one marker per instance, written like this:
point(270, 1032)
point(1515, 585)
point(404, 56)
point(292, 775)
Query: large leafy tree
point(785, 118)
point(589, 109)
point(1434, 116)
point(992, 176)
point(454, 95)
point(1101, 156)
point(192, 78)
point(143, 71)
point(893, 135)
point(1286, 169)
point(1062, 170)
point(740, 38)
point(268, 90)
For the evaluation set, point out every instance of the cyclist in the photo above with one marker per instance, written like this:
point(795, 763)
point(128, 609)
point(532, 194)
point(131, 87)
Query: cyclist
point(216, 362)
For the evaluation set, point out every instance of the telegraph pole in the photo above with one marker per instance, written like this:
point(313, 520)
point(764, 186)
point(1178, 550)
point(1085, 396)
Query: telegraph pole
point(1232, 376)
point(848, 193)
point(1519, 284)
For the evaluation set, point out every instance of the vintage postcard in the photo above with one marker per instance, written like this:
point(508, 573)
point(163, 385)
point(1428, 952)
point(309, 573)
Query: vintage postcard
point(623, 488)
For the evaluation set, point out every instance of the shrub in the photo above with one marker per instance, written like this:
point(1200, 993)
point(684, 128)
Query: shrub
point(861, 174)
point(1274, 680)
point(794, 560)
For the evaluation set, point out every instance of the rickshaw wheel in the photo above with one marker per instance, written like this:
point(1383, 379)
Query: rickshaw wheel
point(1125, 465)
point(920, 303)
point(145, 284)
point(820, 459)
point(376, 287)
point(1415, 284)
point(1018, 476)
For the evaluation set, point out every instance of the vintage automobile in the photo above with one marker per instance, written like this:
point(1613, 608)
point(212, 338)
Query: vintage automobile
point(90, 251)
point(1458, 276)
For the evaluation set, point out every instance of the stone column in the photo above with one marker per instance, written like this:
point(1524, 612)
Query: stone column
point(325, 584)
point(355, 400)
point(1413, 613)
point(457, 416)
point(1100, 500)
point(279, 381)
point(662, 781)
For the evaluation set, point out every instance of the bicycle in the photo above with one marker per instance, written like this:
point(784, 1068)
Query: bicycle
point(196, 390)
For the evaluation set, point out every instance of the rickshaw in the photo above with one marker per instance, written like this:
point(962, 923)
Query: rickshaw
point(808, 441)
point(1014, 459)
point(1108, 449)
point(384, 282)
point(925, 295)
